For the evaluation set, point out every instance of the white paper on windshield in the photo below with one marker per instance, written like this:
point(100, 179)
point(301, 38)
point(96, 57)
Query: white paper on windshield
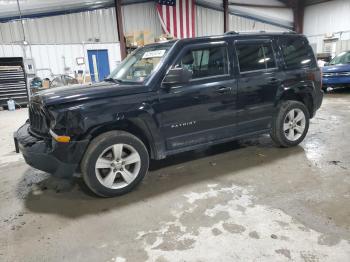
point(155, 53)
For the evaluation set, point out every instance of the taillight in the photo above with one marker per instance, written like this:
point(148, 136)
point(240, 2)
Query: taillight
point(315, 77)
point(321, 75)
point(311, 76)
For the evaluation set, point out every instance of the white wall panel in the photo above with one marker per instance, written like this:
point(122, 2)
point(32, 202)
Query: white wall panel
point(238, 23)
point(57, 56)
point(285, 14)
point(329, 17)
point(83, 27)
point(142, 16)
point(209, 21)
point(71, 28)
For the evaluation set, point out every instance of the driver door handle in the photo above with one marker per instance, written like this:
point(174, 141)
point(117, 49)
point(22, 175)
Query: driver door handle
point(223, 90)
point(274, 81)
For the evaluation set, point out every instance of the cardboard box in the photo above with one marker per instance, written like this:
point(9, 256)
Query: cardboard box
point(148, 37)
point(129, 40)
point(46, 83)
point(87, 79)
point(138, 38)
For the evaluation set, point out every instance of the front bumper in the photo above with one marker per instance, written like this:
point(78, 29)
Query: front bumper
point(58, 159)
point(337, 81)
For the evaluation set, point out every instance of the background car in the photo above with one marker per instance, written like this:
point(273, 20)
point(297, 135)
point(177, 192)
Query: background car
point(337, 72)
point(63, 80)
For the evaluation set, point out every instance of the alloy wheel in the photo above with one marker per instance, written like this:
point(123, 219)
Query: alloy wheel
point(294, 124)
point(118, 166)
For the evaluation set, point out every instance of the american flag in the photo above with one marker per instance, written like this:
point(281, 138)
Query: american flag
point(177, 17)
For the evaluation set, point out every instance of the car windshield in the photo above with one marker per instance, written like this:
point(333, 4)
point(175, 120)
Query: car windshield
point(140, 64)
point(342, 58)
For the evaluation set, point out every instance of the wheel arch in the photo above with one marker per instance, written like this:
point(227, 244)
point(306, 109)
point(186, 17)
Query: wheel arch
point(135, 127)
point(304, 97)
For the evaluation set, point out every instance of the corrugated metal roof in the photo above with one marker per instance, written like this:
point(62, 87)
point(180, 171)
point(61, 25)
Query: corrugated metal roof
point(9, 9)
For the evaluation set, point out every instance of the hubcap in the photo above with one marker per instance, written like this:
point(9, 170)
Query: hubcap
point(118, 166)
point(294, 124)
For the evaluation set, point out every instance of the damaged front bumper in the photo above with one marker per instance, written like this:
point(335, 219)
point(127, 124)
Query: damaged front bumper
point(58, 159)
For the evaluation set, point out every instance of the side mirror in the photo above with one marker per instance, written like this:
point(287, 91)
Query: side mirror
point(177, 76)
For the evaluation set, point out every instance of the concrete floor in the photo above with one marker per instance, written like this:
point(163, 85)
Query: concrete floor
point(246, 201)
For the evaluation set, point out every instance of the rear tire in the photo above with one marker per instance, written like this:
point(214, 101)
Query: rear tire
point(290, 124)
point(114, 163)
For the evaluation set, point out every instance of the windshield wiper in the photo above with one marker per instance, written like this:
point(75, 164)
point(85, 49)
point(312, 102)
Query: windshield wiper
point(110, 79)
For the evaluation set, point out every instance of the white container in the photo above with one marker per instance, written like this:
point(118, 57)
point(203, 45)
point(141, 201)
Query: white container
point(11, 105)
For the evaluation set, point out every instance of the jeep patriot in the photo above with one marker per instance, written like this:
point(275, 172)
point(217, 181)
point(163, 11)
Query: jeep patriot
point(172, 97)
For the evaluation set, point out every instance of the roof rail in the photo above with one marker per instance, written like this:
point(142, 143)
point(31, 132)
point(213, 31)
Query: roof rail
point(259, 32)
point(231, 33)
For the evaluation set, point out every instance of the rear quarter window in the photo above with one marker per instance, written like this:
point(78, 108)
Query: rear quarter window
point(297, 53)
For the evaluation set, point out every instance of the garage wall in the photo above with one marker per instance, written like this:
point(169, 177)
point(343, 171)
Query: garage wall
point(238, 23)
point(52, 38)
point(142, 16)
point(98, 25)
point(60, 58)
point(211, 22)
point(328, 19)
point(65, 37)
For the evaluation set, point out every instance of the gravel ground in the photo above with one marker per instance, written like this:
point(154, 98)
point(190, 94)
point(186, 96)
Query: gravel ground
point(241, 201)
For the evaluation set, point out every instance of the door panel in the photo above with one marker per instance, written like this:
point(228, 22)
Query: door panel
point(198, 113)
point(204, 109)
point(256, 98)
point(98, 64)
point(257, 86)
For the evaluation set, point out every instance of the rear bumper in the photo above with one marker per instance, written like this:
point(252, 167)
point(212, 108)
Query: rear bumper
point(58, 159)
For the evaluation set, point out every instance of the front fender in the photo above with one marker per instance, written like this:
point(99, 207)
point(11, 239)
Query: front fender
point(137, 118)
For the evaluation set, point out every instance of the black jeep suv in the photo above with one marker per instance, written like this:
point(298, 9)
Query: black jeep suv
point(171, 97)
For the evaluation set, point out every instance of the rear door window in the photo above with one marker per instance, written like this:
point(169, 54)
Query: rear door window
point(255, 56)
point(269, 56)
point(297, 53)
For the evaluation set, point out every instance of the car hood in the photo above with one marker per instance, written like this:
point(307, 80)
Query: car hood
point(68, 94)
point(336, 68)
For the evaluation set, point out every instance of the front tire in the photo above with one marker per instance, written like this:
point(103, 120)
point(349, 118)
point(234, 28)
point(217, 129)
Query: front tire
point(290, 125)
point(114, 163)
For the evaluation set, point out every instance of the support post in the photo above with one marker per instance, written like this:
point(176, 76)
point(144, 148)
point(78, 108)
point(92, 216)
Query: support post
point(226, 17)
point(298, 16)
point(118, 13)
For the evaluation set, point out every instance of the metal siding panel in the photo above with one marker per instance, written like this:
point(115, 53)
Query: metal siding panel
point(70, 28)
point(50, 56)
point(332, 16)
point(141, 17)
point(238, 23)
point(210, 22)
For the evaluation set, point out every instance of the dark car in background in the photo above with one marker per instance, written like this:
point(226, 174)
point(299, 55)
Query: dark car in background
point(171, 97)
point(63, 80)
point(337, 72)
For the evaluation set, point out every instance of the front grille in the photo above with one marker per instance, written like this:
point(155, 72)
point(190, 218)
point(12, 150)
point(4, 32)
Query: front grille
point(336, 74)
point(37, 119)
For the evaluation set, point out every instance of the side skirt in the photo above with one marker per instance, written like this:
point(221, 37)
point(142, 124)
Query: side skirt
point(215, 142)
